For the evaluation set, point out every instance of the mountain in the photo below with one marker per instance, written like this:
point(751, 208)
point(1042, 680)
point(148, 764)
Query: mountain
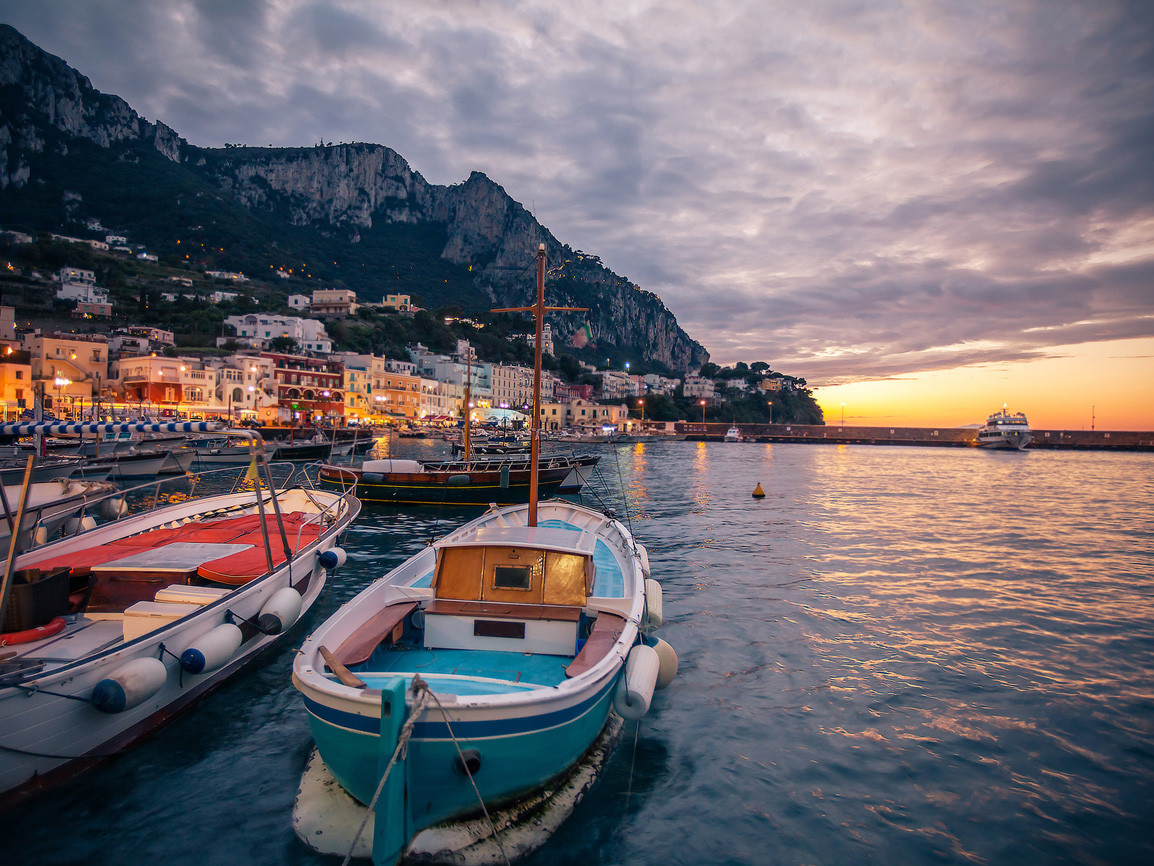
point(350, 215)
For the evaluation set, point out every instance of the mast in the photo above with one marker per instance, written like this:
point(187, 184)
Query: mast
point(538, 310)
point(467, 413)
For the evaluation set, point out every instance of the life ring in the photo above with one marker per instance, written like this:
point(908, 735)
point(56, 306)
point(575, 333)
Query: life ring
point(14, 637)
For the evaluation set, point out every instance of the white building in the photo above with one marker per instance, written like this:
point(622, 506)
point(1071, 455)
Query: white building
point(79, 285)
point(258, 329)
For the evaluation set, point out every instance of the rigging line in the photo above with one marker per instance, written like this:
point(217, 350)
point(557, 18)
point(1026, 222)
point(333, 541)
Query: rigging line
point(420, 699)
point(632, 764)
point(621, 484)
point(464, 766)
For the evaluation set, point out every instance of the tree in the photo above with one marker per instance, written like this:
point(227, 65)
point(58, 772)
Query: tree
point(283, 344)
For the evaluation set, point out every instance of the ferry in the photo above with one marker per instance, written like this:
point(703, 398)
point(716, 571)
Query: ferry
point(1003, 430)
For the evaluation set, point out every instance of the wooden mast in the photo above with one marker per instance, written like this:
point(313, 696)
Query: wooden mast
point(538, 310)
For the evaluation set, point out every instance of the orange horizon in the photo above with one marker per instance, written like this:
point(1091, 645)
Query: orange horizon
point(1099, 386)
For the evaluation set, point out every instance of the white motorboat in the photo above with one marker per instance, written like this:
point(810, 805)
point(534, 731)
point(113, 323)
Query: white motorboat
point(122, 626)
point(734, 435)
point(1003, 430)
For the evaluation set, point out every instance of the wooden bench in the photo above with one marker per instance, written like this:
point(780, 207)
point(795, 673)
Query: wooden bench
point(385, 624)
point(606, 630)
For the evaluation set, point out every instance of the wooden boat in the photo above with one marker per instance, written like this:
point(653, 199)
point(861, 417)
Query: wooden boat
point(449, 482)
point(485, 666)
point(132, 621)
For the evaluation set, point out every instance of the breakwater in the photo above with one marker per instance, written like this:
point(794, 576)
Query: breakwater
point(949, 437)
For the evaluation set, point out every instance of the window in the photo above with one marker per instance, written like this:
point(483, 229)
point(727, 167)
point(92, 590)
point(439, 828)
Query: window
point(19, 374)
point(512, 576)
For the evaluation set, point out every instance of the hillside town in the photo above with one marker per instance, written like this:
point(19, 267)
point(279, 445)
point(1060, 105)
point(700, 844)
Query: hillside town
point(283, 370)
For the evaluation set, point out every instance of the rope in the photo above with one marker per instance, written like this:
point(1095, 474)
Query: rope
point(420, 699)
point(421, 695)
point(465, 768)
point(632, 764)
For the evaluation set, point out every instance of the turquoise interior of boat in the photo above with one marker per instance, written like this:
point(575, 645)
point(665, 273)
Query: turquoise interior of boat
point(500, 672)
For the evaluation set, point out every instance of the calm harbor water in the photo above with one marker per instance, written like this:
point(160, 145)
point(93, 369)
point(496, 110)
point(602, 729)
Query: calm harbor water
point(899, 655)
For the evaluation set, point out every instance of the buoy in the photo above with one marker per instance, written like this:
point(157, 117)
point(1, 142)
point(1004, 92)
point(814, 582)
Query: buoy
point(212, 649)
point(114, 507)
point(668, 658)
point(333, 557)
point(458, 480)
point(653, 617)
point(758, 493)
point(372, 477)
point(40, 536)
point(129, 685)
point(635, 688)
point(281, 611)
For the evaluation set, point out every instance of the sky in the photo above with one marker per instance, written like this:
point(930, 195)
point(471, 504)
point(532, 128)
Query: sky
point(925, 209)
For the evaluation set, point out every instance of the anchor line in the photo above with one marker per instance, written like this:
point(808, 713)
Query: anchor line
point(420, 699)
point(632, 764)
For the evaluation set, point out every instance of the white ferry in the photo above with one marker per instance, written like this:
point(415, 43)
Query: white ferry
point(1003, 430)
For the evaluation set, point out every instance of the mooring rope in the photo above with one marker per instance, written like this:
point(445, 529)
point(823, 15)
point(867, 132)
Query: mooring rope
point(632, 764)
point(420, 699)
point(421, 695)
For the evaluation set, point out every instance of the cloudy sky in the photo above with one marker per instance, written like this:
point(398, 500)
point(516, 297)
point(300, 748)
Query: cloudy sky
point(887, 190)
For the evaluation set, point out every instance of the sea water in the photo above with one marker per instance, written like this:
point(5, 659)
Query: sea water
point(899, 655)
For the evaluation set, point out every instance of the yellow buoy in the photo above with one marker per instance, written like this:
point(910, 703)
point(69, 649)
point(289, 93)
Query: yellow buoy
point(758, 493)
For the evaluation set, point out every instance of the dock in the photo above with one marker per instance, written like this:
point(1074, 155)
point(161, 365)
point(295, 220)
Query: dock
point(941, 437)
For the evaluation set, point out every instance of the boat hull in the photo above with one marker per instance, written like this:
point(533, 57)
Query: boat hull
point(521, 749)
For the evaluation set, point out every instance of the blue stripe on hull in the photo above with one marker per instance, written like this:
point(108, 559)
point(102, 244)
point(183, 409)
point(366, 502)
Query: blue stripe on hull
point(517, 755)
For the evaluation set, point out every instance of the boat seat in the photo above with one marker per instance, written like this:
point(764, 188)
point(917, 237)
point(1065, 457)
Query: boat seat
point(113, 593)
point(240, 568)
point(384, 625)
point(502, 609)
point(607, 629)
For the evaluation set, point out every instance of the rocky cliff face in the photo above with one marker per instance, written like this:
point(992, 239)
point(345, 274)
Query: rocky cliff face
point(44, 104)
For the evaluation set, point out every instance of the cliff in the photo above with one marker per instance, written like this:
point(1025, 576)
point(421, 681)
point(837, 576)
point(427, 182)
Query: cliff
point(357, 215)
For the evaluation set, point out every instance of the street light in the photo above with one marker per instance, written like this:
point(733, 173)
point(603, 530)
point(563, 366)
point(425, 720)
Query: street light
point(843, 414)
point(702, 411)
point(770, 411)
point(641, 403)
point(61, 382)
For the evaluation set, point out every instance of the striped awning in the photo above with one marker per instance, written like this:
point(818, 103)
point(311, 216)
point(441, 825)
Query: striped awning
point(61, 428)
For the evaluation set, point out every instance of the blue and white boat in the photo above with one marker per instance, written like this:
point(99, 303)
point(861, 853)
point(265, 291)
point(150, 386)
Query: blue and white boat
point(484, 667)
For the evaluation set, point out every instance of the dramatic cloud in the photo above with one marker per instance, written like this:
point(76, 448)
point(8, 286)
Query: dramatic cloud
point(845, 189)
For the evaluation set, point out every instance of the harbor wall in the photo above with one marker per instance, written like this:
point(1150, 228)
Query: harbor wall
point(949, 437)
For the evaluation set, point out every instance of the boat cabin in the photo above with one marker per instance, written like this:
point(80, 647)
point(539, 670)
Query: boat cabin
point(511, 590)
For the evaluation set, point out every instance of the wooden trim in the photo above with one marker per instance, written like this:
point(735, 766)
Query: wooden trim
point(498, 609)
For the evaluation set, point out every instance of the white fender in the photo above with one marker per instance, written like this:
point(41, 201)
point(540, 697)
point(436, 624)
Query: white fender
point(280, 611)
point(212, 649)
point(635, 688)
point(668, 658)
point(129, 685)
point(40, 536)
point(653, 607)
point(114, 507)
point(75, 525)
point(333, 557)
point(644, 554)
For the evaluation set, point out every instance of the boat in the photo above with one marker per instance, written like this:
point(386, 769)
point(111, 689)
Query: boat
point(143, 463)
point(126, 624)
point(49, 505)
point(45, 469)
point(484, 667)
point(734, 435)
point(580, 474)
point(219, 451)
point(1005, 430)
point(318, 448)
point(449, 482)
